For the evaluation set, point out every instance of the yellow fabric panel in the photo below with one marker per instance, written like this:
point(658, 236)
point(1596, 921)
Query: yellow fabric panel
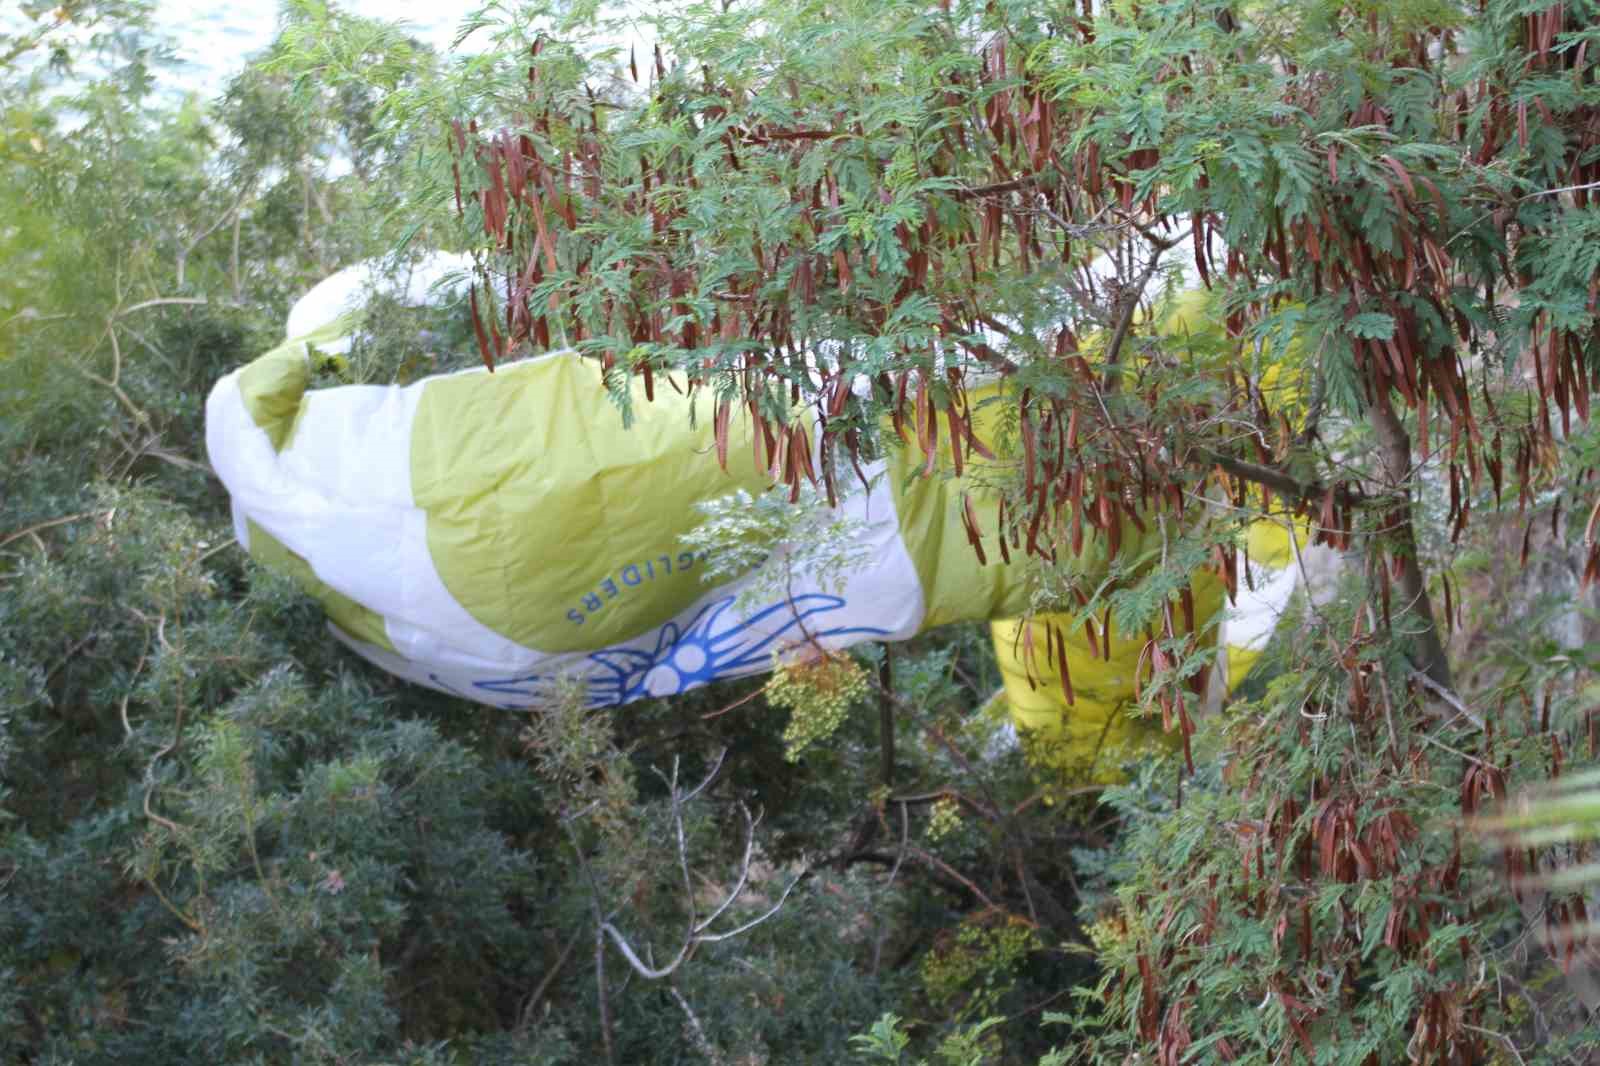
point(1267, 542)
point(929, 510)
point(1240, 662)
point(930, 507)
point(545, 473)
point(1091, 738)
point(273, 385)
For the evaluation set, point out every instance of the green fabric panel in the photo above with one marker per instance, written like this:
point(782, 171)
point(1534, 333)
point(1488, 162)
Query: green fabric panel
point(273, 385)
point(356, 620)
point(954, 587)
point(550, 523)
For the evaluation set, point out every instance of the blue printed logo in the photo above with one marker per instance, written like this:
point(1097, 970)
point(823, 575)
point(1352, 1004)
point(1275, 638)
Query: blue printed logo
point(714, 644)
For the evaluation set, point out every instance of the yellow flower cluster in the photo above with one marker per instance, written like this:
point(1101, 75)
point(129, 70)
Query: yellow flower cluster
point(818, 694)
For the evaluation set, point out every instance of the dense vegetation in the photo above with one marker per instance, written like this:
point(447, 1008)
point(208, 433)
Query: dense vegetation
point(222, 839)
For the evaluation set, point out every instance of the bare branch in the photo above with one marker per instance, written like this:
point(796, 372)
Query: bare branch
point(164, 301)
point(710, 776)
point(1129, 299)
point(696, 932)
point(697, 1033)
point(744, 870)
point(752, 923)
point(642, 968)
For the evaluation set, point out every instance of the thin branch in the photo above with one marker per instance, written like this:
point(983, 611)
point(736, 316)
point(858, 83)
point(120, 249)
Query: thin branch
point(1130, 304)
point(744, 870)
point(163, 302)
point(230, 213)
point(710, 776)
point(886, 718)
point(1276, 480)
point(1502, 1037)
point(697, 1033)
point(696, 933)
point(122, 708)
point(975, 192)
point(1447, 695)
point(752, 923)
point(1464, 230)
point(735, 705)
point(233, 261)
point(642, 968)
point(35, 528)
point(600, 989)
point(1394, 453)
point(599, 937)
point(544, 984)
point(934, 862)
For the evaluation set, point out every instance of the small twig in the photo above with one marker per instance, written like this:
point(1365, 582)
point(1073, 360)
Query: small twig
point(30, 530)
point(1130, 304)
point(697, 1033)
point(544, 984)
point(163, 301)
point(1446, 695)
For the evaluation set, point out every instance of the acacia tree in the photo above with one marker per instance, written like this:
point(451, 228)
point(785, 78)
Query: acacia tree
point(1388, 207)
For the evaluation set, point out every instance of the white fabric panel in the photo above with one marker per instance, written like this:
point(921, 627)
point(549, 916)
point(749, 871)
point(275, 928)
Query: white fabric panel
point(349, 289)
point(1250, 623)
point(340, 497)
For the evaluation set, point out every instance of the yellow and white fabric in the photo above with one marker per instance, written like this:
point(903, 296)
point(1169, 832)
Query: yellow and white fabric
point(491, 534)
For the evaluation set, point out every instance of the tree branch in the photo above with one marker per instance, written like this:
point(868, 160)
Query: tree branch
point(1273, 478)
point(1130, 304)
point(1394, 454)
point(697, 1033)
